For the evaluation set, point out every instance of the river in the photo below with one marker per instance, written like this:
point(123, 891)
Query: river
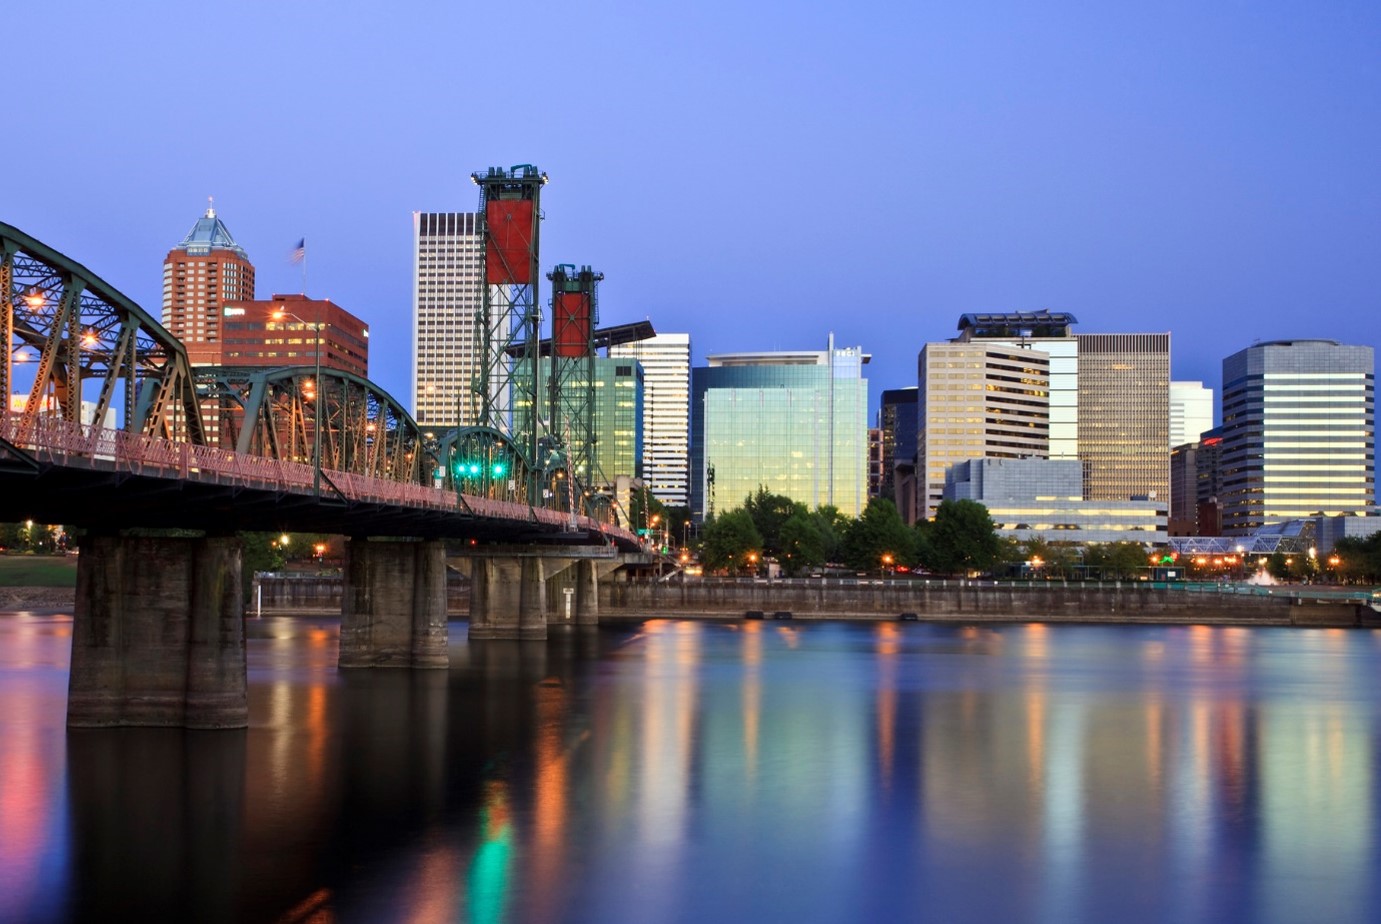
point(697, 771)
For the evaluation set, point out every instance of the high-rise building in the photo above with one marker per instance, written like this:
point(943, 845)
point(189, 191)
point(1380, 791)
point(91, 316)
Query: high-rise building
point(977, 399)
point(1051, 333)
point(1191, 412)
point(897, 421)
point(874, 462)
point(795, 424)
point(1298, 429)
point(200, 275)
point(447, 292)
point(665, 359)
point(1184, 483)
point(1124, 415)
point(616, 416)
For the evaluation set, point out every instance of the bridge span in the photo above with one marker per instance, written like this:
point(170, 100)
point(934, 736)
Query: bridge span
point(195, 456)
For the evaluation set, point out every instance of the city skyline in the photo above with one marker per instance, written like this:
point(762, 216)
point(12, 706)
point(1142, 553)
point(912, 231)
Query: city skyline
point(1200, 171)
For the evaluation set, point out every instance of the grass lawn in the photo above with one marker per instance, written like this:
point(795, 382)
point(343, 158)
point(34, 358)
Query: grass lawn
point(38, 570)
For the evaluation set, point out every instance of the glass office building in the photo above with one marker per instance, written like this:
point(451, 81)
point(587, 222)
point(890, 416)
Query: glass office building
point(1298, 431)
point(617, 416)
point(795, 424)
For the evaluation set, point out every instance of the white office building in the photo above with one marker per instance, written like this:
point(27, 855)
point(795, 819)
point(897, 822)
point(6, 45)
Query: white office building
point(665, 359)
point(1191, 412)
point(447, 291)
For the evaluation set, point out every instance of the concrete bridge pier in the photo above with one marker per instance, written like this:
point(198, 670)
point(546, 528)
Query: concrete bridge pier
point(393, 605)
point(158, 634)
point(508, 597)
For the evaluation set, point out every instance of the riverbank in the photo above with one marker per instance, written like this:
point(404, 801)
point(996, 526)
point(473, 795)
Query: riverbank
point(37, 598)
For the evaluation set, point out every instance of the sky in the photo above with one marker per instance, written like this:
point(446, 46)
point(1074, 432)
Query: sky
point(757, 174)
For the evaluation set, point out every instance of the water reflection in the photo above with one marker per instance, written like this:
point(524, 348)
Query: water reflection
point(685, 771)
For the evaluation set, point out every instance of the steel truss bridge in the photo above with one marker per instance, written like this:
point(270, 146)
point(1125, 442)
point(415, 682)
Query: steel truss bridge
point(111, 427)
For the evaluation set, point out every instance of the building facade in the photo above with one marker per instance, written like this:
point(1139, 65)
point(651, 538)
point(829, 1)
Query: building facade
point(1041, 499)
point(977, 399)
point(1191, 412)
point(282, 331)
point(794, 423)
point(1298, 431)
point(616, 417)
point(1124, 415)
point(447, 294)
point(200, 276)
point(897, 421)
point(665, 361)
point(1050, 332)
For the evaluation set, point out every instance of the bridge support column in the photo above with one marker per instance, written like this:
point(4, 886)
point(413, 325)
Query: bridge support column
point(586, 593)
point(508, 597)
point(393, 605)
point(158, 635)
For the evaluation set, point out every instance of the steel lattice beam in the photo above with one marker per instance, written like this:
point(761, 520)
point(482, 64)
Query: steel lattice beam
point(67, 331)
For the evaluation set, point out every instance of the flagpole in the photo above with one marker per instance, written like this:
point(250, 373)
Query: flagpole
point(304, 266)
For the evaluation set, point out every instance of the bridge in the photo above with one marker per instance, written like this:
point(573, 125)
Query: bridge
point(160, 464)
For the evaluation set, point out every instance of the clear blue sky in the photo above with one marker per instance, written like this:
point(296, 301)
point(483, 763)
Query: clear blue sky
point(755, 174)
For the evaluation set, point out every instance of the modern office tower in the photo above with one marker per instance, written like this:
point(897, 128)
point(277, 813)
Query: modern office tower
point(897, 421)
point(1124, 415)
point(200, 275)
point(794, 423)
point(978, 399)
point(1049, 332)
point(616, 417)
point(1041, 499)
point(447, 291)
point(1209, 483)
point(874, 461)
point(665, 359)
point(1184, 484)
point(1191, 412)
point(1298, 428)
point(283, 332)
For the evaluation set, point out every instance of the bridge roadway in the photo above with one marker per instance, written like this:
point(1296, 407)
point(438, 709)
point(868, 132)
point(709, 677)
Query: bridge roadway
point(159, 633)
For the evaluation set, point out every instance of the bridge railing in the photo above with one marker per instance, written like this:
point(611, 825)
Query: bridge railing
point(63, 442)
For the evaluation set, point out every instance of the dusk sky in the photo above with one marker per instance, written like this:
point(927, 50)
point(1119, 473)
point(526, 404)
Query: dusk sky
point(756, 174)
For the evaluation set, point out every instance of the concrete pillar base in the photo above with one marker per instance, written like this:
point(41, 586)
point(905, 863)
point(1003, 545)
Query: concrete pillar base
point(158, 634)
point(393, 609)
point(508, 598)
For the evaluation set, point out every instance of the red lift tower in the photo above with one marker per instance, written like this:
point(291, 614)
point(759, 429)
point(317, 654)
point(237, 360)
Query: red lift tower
point(510, 210)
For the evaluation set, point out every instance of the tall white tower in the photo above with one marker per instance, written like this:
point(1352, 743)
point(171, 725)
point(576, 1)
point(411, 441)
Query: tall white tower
point(448, 285)
point(666, 413)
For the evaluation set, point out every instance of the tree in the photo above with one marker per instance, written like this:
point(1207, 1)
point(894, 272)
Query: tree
point(963, 538)
point(830, 523)
point(1047, 559)
point(728, 540)
point(769, 512)
point(1117, 560)
point(258, 552)
point(878, 539)
point(802, 545)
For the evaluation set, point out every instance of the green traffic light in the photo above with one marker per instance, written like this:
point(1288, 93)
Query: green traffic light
point(499, 469)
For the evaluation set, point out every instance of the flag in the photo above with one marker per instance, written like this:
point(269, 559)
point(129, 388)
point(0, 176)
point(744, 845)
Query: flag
point(299, 253)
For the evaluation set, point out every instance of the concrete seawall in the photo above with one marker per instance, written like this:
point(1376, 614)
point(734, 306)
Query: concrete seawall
point(975, 601)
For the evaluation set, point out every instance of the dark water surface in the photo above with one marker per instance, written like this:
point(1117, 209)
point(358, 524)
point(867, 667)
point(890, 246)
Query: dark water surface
point(705, 772)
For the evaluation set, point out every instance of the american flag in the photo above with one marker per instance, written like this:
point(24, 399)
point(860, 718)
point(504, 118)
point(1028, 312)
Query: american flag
point(299, 253)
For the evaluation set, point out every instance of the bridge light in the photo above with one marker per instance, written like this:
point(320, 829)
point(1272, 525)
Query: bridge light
point(499, 469)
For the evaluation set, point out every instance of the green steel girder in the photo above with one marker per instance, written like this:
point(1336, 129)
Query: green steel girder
point(66, 328)
point(271, 412)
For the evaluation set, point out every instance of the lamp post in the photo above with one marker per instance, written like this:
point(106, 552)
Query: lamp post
point(280, 314)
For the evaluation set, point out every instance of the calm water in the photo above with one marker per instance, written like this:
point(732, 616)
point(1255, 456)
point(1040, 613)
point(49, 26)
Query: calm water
point(702, 772)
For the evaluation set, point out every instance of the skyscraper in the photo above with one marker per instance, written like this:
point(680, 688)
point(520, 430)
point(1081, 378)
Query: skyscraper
point(897, 421)
point(1298, 432)
point(200, 275)
point(1124, 415)
point(1191, 412)
point(793, 423)
point(1051, 332)
point(447, 290)
point(979, 399)
point(665, 359)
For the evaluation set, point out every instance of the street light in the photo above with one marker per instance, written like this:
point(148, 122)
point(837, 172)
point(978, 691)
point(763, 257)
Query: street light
point(280, 314)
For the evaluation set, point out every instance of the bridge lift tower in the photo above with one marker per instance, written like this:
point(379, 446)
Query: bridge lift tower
point(507, 328)
point(571, 379)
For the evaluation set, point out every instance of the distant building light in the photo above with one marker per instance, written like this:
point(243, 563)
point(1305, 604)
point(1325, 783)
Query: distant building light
point(233, 312)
